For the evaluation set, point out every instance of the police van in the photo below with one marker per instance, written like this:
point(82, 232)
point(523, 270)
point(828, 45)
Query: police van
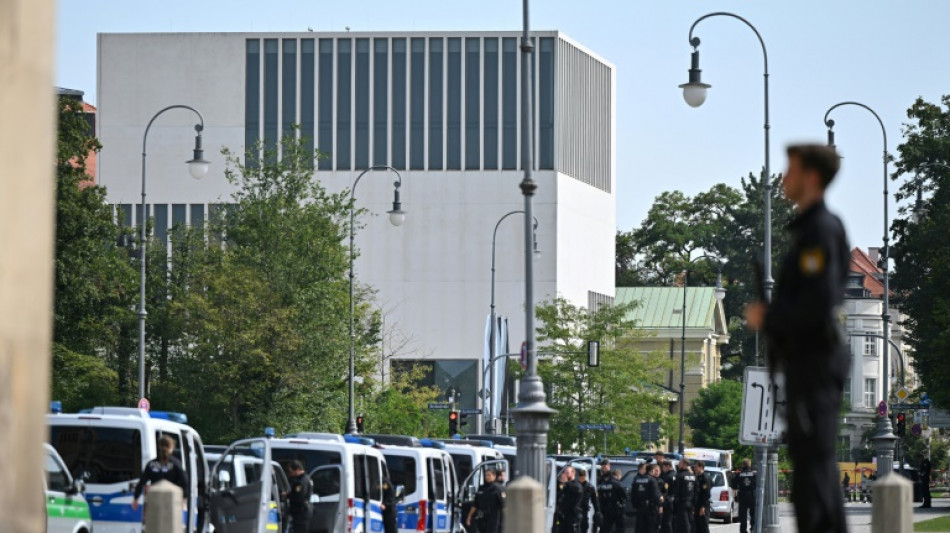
point(107, 447)
point(710, 457)
point(66, 509)
point(467, 454)
point(424, 473)
point(347, 474)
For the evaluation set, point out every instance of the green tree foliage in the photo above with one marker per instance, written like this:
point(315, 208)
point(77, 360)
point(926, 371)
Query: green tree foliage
point(400, 407)
point(95, 285)
point(724, 222)
point(621, 391)
point(714, 417)
point(922, 250)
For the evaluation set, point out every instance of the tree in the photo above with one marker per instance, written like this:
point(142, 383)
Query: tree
point(922, 250)
point(714, 417)
point(400, 407)
point(621, 391)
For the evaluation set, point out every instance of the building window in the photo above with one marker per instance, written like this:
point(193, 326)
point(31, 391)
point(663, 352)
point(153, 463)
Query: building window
point(399, 104)
point(307, 80)
point(436, 71)
point(289, 89)
point(870, 346)
point(417, 95)
point(870, 392)
point(472, 103)
point(491, 104)
point(546, 105)
point(362, 104)
point(509, 114)
point(344, 54)
point(325, 105)
point(271, 59)
point(380, 101)
point(843, 452)
point(453, 154)
point(846, 393)
point(252, 99)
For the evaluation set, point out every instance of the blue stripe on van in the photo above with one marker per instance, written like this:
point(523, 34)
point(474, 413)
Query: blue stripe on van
point(112, 512)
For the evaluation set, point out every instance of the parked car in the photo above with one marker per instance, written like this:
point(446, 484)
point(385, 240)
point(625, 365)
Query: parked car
point(723, 501)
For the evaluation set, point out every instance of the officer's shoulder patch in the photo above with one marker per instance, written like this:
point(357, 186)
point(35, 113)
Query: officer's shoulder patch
point(811, 261)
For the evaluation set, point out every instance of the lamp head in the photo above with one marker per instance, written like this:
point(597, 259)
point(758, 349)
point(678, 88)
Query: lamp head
point(396, 216)
point(720, 290)
point(198, 166)
point(694, 92)
point(831, 134)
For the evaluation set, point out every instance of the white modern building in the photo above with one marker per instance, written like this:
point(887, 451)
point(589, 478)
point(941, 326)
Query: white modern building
point(441, 107)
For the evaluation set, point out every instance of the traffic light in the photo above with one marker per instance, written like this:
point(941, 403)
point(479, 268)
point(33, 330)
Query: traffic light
point(359, 423)
point(463, 420)
point(901, 425)
point(453, 423)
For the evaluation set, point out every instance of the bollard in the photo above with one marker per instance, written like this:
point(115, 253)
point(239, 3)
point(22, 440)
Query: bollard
point(524, 506)
point(892, 510)
point(164, 508)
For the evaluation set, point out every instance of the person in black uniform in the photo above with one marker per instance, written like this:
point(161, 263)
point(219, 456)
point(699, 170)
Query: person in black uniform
point(164, 467)
point(667, 478)
point(489, 505)
point(301, 489)
point(390, 501)
point(703, 487)
point(803, 328)
point(684, 497)
point(613, 499)
point(648, 499)
point(925, 468)
point(588, 501)
point(568, 508)
point(744, 485)
point(634, 495)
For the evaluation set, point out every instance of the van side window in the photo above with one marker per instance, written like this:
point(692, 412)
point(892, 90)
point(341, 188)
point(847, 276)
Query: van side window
point(402, 471)
point(438, 473)
point(375, 479)
point(359, 477)
point(99, 454)
point(56, 479)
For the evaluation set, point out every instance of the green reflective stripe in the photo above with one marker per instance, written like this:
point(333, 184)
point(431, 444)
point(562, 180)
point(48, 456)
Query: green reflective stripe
point(64, 507)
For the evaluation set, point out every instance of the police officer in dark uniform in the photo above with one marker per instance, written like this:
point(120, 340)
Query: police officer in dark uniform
point(684, 497)
point(489, 505)
point(390, 501)
point(744, 485)
point(165, 467)
point(568, 509)
point(301, 488)
point(667, 478)
point(703, 488)
point(634, 494)
point(925, 468)
point(588, 501)
point(648, 499)
point(613, 499)
point(803, 328)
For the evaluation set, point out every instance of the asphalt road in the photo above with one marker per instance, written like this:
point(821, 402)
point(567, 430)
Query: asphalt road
point(859, 517)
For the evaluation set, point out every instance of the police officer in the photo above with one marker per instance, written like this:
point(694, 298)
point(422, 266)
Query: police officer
point(613, 499)
point(390, 500)
point(648, 498)
point(667, 478)
point(588, 501)
point(802, 325)
point(568, 508)
point(301, 488)
point(684, 497)
point(164, 467)
point(489, 505)
point(744, 485)
point(634, 494)
point(925, 468)
point(703, 487)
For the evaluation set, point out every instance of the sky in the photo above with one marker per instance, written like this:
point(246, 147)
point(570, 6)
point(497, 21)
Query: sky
point(882, 53)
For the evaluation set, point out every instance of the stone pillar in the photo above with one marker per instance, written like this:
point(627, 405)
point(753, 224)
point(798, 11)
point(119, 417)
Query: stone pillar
point(164, 508)
point(524, 506)
point(892, 510)
point(27, 137)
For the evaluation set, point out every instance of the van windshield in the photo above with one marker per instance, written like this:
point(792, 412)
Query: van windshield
point(99, 455)
point(402, 471)
point(311, 459)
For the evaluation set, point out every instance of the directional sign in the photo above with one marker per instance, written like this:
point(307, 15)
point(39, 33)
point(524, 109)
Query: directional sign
point(649, 431)
point(600, 427)
point(144, 404)
point(905, 407)
point(882, 408)
point(763, 408)
point(902, 394)
point(915, 430)
point(470, 411)
point(440, 406)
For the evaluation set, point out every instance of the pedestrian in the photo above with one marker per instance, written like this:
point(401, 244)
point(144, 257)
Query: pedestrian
point(605, 469)
point(649, 499)
point(489, 505)
point(684, 497)
point(567, 510)
point(846, 487)
point(925, 470)
point(744, 484)
point(803, 328)
point(658, 458)
point(301, 489)
point(390, 503)
point(588, 501)
point(165, 467)
point(703, 488)
point(667, 479)
point(613, 500)
point(634, 494)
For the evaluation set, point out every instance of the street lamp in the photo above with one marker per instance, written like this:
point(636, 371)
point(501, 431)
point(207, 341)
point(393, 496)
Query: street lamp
point(919, 211)
point(489, 411)
point(532, 415)
point(396, 217)
point(720, 294)
point(198, 168)
point(884, 438)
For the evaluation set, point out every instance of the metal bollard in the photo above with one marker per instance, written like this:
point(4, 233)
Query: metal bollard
point(892, 510)
point(524, 508)
point(164, 514)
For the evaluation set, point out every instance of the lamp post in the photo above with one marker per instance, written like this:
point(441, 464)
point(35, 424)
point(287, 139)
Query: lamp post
point(884, 439)
point(720, 294)
point(488, 411)
point(198, 168)
point(396, 217)
point(532, 415)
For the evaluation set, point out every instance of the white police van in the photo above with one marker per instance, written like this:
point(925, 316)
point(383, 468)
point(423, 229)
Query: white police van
point(424, 475)
point(347, 474)
point(107, 447)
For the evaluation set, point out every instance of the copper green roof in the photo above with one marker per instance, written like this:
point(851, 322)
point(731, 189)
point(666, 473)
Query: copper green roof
point(656, 305)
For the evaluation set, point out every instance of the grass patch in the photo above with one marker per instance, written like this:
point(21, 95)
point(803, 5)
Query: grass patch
point(934, 525)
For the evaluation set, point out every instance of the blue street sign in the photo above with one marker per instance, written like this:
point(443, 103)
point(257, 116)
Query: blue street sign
point(440, 406)
point(470, 411)
point(907, 406)
point(882, 408)
point(599, 427)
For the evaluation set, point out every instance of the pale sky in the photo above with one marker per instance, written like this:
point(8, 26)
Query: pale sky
point(882, 53)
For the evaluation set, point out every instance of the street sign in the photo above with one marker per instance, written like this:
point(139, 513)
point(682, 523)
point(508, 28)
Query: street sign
point(902, 394)
point(440, 406)
point(599, 427)
point(649, 431)
point(904, 407)
point(915, 430)
point(144, 404)
point(470, 411)
point(763, 408)
point(882, 408)
point(918, 417)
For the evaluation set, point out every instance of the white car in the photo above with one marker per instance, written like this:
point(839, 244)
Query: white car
point(722, 500)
